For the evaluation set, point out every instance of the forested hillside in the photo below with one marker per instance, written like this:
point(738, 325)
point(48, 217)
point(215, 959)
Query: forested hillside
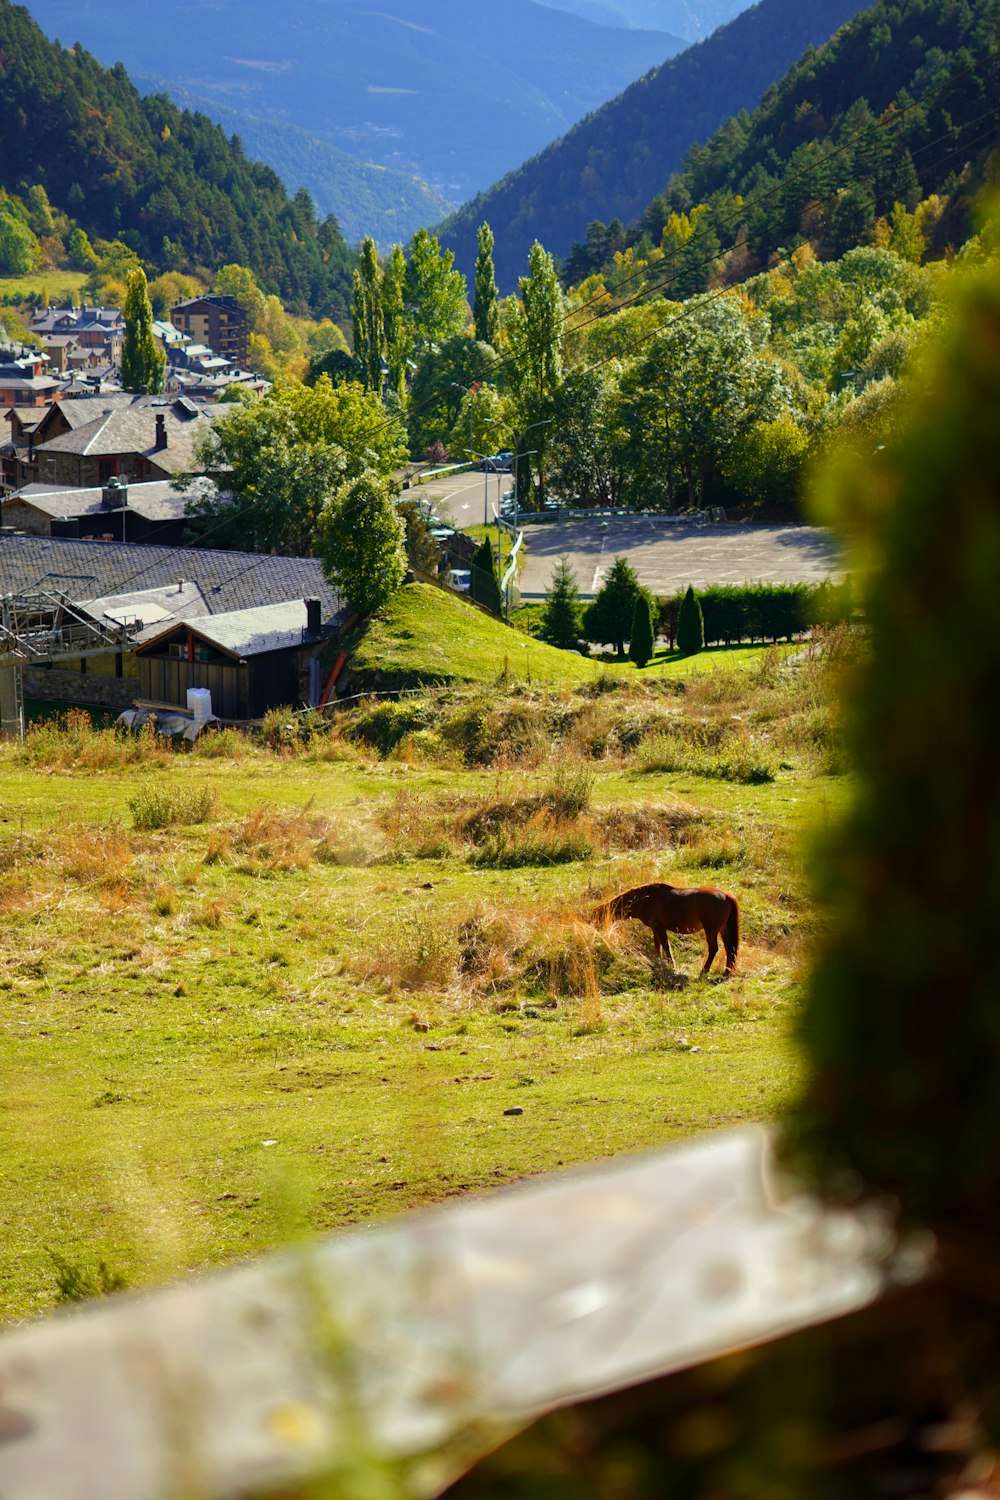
point(363, 197)
point(611, 164)
point(454, 92)
point(166, 182)
point(900, 112)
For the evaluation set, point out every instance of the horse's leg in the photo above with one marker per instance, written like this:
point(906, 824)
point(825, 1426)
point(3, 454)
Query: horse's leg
point(713, 948)
point(663, 945)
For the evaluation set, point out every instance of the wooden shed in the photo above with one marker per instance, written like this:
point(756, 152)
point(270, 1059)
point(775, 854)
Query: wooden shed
point(251, 660)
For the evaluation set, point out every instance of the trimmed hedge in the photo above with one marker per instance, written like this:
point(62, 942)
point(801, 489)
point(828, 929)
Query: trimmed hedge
point(763, 611)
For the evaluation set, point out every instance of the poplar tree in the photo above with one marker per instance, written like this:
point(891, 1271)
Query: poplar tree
point(369, 329)
point(485, 308)
point(143, 364)
point(397, 331)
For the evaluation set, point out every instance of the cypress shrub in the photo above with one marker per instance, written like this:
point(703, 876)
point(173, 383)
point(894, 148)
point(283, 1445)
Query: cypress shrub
point(640, 644)
point(690, 625)
point(483, 585)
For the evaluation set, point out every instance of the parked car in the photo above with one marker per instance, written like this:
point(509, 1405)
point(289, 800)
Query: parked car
point(459, 579)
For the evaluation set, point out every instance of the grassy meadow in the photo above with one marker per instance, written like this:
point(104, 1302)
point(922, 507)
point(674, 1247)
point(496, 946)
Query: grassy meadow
point(263, 988)
point(58, 285)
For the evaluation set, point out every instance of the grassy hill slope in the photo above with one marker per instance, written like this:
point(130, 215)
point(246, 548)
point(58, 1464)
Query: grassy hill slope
point(425, 635)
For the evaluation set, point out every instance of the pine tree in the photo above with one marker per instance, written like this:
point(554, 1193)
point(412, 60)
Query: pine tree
point(609, 617)
point(483, 586)
point(485, 309)
point(561, 611)
point(640, 641)
point(690, 625)
point(143, 364)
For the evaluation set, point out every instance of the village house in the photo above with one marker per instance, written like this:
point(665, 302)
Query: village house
point(152, 511)
point(218, 322)
point(97, 330)
point(136, 437)
point(208, 612)
point(23, 378)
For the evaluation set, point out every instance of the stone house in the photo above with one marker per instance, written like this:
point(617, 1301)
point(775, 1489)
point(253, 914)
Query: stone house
point(138, 438)
point(161, 586)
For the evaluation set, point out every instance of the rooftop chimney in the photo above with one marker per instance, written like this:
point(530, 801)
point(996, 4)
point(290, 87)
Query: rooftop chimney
point(161, 432)
point(115, 493)
point(314, 616)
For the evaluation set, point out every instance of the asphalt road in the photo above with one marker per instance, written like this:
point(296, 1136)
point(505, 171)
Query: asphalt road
point(667, 556)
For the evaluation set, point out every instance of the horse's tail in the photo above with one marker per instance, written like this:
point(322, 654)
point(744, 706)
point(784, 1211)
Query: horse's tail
point(731, 933)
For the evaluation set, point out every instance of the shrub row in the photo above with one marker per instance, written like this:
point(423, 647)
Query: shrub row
point(762, 611)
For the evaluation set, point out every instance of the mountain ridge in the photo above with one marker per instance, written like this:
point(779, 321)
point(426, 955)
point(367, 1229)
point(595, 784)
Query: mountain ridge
point(452, 93)
point(613, 162)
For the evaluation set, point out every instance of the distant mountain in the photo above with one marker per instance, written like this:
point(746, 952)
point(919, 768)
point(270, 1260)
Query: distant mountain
point(612, 163)
point(690, 19)
point(363, 197)
point(453, 92)
point(165, 181)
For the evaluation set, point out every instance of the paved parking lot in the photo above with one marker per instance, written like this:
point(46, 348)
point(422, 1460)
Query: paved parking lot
point(666, 555)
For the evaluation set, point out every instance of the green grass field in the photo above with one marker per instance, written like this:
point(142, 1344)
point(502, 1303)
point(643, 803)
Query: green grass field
point(58, 284)
point(315, 1005)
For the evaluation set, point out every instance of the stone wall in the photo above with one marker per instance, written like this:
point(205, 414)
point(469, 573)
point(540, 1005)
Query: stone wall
point(95, 689)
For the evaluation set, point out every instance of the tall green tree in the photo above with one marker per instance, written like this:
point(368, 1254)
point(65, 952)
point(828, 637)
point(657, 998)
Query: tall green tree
point(485, 307)
point(19, 250)
point(534, 338)
point(368, 318)
point(361, 542)
point(396, 327)
point(143, 364)
point(561, 610)
point(436, 303)
point(444, 377)
point(609, 617)
point(275, 463)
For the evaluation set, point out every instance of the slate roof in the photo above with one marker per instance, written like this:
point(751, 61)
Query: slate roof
point(245, 632)
point(133, 430)
point(228, 580)
point(158, 609)
point(154, 500)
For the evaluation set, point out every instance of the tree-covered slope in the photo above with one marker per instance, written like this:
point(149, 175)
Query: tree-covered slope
point(901, 108)
point(612, 163)
point(364, 197)
point(166, 181)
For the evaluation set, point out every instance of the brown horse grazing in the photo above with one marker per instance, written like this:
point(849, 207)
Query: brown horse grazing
point(671, 908)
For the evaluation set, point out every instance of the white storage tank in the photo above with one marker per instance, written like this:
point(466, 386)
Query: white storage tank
point(199, 702)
